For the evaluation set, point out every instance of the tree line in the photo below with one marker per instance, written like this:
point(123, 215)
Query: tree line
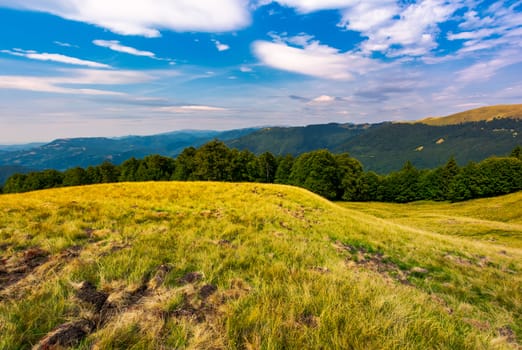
point(333, 176)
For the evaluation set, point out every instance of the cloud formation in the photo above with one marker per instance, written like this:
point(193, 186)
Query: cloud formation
point(146, 17)
point(312, 58)
point(54, 57)
point(220, 46)
point(73, 81)
point(190, 109)
point(115, 45)
point(322, 100)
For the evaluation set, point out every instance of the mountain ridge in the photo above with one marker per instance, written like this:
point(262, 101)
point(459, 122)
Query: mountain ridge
point(487, 113)
point(382, 147)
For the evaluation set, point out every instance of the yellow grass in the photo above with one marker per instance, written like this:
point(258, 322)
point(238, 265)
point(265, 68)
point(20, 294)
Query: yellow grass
point(286, 269)
point(478, 114)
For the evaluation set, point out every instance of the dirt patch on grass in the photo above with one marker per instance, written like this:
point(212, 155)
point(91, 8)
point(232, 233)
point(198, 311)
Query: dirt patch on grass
point(359, 256)
point(478, 324)
point(308, 320)
point(89, 294)
point(190, 277)
point(18, 266)
point(105, 311)
point(67, 335)
point(478, 260)
point(213, 213)
point(508, 333)
point(29, 268)
point(101, 308)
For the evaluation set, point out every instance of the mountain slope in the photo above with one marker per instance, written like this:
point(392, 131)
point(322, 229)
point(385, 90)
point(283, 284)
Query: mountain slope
point(6, 171)
point(478, 114)
point(383, 147)
point(386, 147)
point(296, 140)
point(238, 266)
point(389, 146)
point(67, 153)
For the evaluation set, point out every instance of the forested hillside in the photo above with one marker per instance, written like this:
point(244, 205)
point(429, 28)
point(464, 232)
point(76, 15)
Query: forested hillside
point(67, 153)
point(386, 147)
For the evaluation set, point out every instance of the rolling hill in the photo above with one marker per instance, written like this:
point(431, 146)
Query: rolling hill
point(476, 115)
point(247, 266)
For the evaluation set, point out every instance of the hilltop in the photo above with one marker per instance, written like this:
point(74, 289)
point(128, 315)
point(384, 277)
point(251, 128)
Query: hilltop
point(487, 114)
point(247, 266)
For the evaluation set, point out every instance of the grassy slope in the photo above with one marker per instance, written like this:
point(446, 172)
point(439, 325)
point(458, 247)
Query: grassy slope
point(494, 220)
point(292, 270)
point(477, 114)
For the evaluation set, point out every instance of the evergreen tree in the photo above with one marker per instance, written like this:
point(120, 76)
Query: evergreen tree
point(128, 169)
point(402, 186)
point(243, 166)
point(212, 162)
point(267, 164)
point(516, 153)
point(318, 172)
point(75, 177)
point(109, 172)
point(185, 165)
point(284, 169)
point(155, 168)
point(366, 188)
point(94, 175)
point(15, 183)
point(350, 170)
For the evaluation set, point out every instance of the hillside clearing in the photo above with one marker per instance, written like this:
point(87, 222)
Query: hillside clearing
point(244, 266)
point(478, 114)
point(496, 219)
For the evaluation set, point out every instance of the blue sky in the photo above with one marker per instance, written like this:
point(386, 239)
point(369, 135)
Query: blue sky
point(113, 67)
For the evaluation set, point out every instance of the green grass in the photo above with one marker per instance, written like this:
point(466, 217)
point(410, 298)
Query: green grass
point(292, 270)
point(490, 219)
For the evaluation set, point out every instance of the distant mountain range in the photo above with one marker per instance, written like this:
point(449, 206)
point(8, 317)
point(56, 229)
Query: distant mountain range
point(468, 136)
point(387, 146)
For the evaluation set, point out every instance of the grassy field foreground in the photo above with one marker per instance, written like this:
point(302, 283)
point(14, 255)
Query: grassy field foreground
point(249, 266)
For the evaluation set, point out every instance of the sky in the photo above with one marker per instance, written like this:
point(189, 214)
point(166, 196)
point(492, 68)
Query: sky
point(78, 68)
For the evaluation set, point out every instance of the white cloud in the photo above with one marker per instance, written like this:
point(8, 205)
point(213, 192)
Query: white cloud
point(368, 16)
point(147, 17)
point(484, 70)
point(321, 100)
point(479, 34)
point(313, 59)
point(46, 84)
point(392, 27)
point(116, 46)
point(54, 57)
point(220, 46)
point(306, 6)
point(500, 28)
point(72, 80)
point(245, 69)
point(59, 43)
point(190, 109)
point(415, 30)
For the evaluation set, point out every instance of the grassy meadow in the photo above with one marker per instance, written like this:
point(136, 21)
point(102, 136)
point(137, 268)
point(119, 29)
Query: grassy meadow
point(202, 265)
point(478, 114)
